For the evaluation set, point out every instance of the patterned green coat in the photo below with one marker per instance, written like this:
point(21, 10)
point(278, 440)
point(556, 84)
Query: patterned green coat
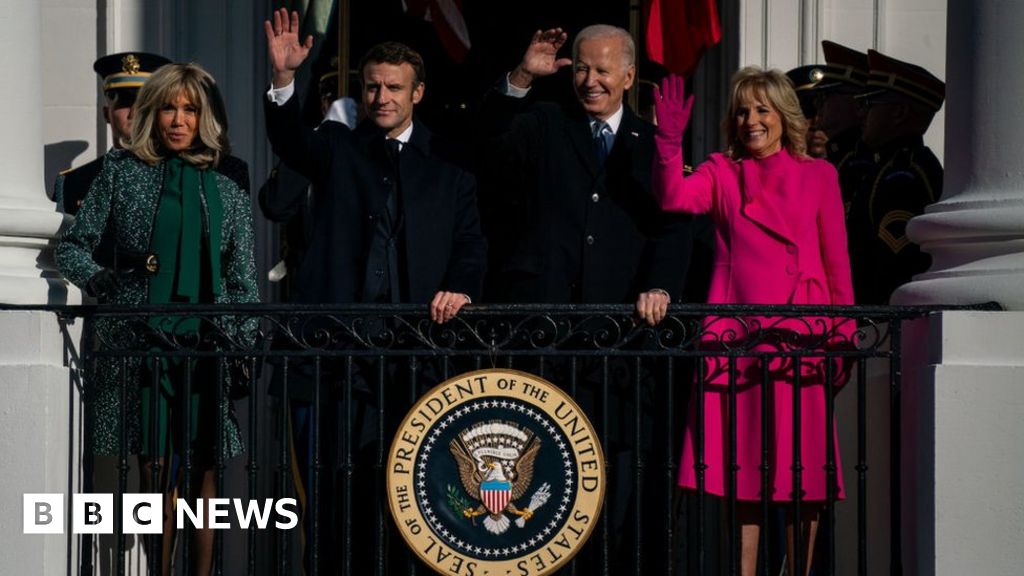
point(124, 199)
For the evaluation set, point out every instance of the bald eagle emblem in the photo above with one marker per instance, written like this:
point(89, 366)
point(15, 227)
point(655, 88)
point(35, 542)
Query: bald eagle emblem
point(495, 460)
point(130, 64)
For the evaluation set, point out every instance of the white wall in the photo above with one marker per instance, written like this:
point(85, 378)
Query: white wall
point(910, 30)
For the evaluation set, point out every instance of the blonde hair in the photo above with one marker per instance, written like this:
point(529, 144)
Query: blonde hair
point(774, 88)
point(166, 84)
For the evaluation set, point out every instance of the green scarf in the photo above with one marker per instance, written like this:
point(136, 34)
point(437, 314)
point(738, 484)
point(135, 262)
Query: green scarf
point(178, 235)
point(187, 267)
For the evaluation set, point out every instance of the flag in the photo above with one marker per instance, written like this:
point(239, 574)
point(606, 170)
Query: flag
point(316, 16)
point(679, 31)
point(446, 15)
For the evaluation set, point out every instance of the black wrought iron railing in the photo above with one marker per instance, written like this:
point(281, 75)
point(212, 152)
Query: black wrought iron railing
point(315, 393)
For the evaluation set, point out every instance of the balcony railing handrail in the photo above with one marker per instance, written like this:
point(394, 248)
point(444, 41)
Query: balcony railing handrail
point(902, 312)
point(622, 368)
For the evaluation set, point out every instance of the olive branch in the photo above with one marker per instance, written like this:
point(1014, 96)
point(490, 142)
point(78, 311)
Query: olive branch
point(458, 502)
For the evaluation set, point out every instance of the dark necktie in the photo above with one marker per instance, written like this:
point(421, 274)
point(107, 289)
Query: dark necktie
point(394, 148)
point(602, 140)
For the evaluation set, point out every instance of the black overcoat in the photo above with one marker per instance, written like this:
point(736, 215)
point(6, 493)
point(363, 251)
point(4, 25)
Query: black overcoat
point(444, 248)
point(584, 232)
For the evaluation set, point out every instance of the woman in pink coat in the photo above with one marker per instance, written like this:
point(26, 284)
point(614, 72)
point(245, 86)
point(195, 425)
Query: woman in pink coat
point(779, 239)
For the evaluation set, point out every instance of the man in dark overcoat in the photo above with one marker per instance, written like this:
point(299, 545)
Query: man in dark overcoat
point(591, 230)
point(587, 229)
point(393, 223)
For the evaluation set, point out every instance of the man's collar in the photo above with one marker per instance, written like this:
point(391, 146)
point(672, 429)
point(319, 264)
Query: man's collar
point(405, 135)
point(613, 121)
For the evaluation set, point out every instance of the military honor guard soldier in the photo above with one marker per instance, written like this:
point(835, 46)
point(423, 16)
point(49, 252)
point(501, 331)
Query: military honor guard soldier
point(900, 101)
point(805, 79)
point(840, 117)
point(122, 74)
point(844, 76)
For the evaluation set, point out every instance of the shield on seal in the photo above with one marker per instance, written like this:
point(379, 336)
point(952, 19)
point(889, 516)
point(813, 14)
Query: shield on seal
point(495, 495)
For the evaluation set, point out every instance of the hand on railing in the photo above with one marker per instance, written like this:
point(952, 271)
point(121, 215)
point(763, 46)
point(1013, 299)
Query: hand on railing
point(652, 306)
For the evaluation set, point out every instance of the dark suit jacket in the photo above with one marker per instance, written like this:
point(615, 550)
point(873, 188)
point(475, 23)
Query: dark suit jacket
point(72, 185)
point(285, 198)
point(237, 170)
point(584, 233)
point(284, 195)
point(444, 249)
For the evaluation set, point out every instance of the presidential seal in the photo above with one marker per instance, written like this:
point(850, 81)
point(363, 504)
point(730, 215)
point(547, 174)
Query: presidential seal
point(495, 473)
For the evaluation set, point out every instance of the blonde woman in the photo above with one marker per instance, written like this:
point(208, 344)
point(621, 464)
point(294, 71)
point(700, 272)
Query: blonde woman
point(779, 239)
point(166, 206)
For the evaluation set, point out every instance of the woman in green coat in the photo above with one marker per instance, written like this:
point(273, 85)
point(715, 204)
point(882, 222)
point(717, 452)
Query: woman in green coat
point(183, 235)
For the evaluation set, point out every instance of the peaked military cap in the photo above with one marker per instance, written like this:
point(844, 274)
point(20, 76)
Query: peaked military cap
point(890, 74)
point(805, 78)
point(127, 70)
point(844, 67)
point(328, 83)
point(330, 75)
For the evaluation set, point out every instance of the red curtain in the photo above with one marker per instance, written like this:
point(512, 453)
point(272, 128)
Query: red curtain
point(679, 31)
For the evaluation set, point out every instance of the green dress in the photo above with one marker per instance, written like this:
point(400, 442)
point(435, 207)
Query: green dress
point(124, 199)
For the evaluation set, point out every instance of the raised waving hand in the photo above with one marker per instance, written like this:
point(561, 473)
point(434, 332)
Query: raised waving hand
point(672, 108)
point(541, 57)
point(283, 47)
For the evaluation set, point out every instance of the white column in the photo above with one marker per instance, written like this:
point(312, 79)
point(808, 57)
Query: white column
point(40, 433)
point(135, 25)
point(975, 234)
point(36, 415)
point(963, 373)
point(28, 220)
point(963, 393)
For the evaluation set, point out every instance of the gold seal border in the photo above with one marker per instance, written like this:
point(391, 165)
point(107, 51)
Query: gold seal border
point(417, 532)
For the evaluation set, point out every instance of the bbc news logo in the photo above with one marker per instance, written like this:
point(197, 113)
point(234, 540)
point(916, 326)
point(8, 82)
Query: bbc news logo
point(141, 513)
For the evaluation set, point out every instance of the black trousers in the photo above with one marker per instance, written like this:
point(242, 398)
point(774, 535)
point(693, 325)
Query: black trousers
point(639, 422)
point(362, 402)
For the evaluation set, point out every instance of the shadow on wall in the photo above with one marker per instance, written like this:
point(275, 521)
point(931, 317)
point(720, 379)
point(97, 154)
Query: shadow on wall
point(57, 157)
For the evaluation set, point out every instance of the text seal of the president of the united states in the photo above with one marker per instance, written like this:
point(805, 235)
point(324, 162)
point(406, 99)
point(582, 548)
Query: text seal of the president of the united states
point(495, 473)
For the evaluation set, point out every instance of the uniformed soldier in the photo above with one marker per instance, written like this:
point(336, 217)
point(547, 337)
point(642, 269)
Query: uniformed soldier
point(900, 102)
point(840, 117)
point(805, 79)
point(122, 75)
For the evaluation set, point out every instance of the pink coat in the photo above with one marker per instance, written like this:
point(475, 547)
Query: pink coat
point(780, 238)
